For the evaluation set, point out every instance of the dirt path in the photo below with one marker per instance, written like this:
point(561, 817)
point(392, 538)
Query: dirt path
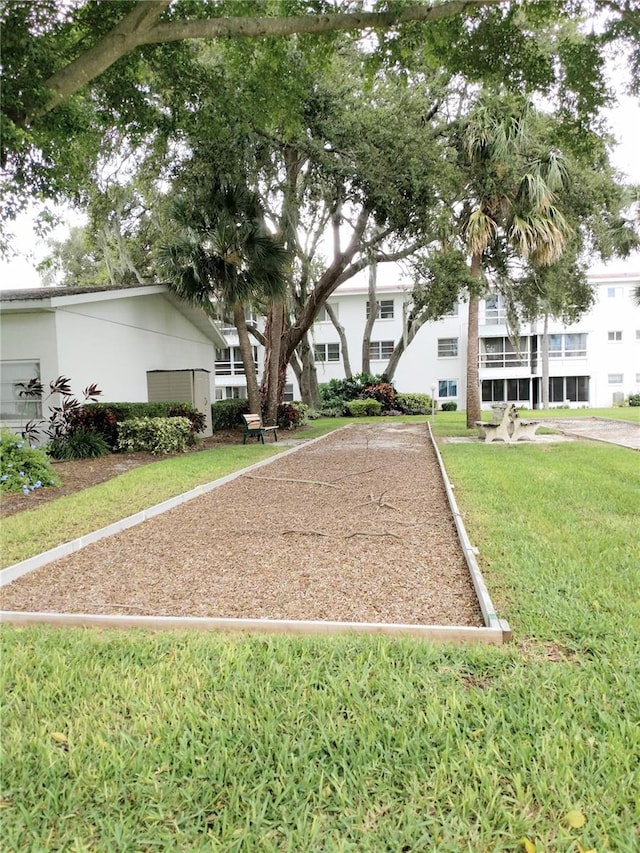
point(355, 527)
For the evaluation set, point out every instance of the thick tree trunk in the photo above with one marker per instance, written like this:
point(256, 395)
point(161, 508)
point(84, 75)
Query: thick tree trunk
point(371, 319)
point(306, 374)
point(274, 386)
point(544, 345)
point(473, 350)
point(246, 352)
point(344, 344)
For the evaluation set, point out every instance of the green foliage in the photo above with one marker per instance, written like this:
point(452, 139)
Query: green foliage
point(23, 468)
point(80, 444)
point(383, 392)
point(449, 407)
point(363, 408)
point(292, 415)
point(103, 418)
point(227, 414)
point(155, 435)
point(634, 399)
point(414, 404)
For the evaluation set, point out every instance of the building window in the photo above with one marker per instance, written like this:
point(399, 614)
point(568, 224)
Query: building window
point(495, 311)
point(287, 396)
point(453, 312)
point(231, 392)
point(615, 378)
point(380, 350)
point(638, 334)
point(448, 388)
point(501, 352)
point(568, 346)
point(326, 352)
point(575, 389)
point(614, 336)
point(15, 374)
point(384, 309)
point(614, 292)
point(447, 347)
point(229, 361)
point(499, 390)
point(323, 315)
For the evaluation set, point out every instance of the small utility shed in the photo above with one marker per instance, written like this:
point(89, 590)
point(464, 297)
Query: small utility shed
point(108, 336)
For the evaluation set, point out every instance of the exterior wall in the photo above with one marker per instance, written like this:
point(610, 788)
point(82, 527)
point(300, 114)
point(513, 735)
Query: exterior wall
point(103, 338)
point(114, 344)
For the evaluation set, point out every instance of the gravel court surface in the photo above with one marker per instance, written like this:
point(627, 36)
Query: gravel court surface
point(355, 527)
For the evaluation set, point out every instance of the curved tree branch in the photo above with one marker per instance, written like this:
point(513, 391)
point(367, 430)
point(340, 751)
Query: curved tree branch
point(141, 26)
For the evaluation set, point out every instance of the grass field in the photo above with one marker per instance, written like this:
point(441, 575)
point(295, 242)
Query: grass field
point(115, 741)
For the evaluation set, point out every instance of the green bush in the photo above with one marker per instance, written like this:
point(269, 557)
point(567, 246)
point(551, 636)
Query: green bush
point(634, 399)
point(227, 414)
point(81, 444)
point(449, 407)
point(414, 404)
point(155, 435)
point(363, 408)
point(103, 418)
point(292, 415)
point(383, 392)
point(23, 468)
point(336, 392)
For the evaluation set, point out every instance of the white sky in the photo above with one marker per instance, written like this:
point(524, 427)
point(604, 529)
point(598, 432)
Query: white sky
point(20, 271)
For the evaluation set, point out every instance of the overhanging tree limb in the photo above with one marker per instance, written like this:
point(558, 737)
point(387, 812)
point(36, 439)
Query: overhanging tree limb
point(141, 26)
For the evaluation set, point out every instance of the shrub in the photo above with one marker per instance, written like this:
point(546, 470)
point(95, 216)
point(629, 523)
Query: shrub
point(414, 404)
point(363, 408)
point(292, 415)
point(449, 407)
point(103, 418)
point(81, 444)
point(156, 435)
point(98, 418)
point(383, 392)
point(23, 468)
point(336, 392)
point(634, 399)
point(60, 421)
point(227, 414)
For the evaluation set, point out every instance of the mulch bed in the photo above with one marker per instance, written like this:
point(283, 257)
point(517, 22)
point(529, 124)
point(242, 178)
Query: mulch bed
point(355, 527)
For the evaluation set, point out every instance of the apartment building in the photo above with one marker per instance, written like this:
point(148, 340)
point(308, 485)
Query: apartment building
point(592, 363)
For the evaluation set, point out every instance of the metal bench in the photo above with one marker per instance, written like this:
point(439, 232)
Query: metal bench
point(253, 426)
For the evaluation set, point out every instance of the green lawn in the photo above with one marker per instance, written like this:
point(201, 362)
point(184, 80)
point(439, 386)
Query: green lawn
point(117, 741)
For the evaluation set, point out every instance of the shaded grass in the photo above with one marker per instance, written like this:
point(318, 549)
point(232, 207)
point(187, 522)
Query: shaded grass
point(34, 531)
point(141, 742)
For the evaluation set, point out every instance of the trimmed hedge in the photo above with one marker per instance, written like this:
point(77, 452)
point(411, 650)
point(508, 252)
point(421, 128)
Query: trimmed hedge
point(104, 418)
point(227, 414)
point(363, 408)
point(414, 404)
point(155, 435)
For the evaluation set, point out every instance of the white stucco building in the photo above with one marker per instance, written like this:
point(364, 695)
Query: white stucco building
point(593, 363)
point(116, 338)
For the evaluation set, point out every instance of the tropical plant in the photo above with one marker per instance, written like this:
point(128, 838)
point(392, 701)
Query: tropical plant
point(60, 422)
point(513, 177)
point(222, 253)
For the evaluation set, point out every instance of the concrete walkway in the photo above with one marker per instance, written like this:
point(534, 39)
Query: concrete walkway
point(624, 433)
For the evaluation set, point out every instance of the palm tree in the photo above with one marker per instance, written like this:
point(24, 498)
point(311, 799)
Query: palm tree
point(511, 190)
point(222, 253)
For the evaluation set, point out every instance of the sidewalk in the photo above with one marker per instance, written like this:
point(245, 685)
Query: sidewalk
point(624, 433)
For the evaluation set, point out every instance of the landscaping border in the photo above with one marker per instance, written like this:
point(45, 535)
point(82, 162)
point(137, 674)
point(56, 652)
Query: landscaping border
point(495, 631)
